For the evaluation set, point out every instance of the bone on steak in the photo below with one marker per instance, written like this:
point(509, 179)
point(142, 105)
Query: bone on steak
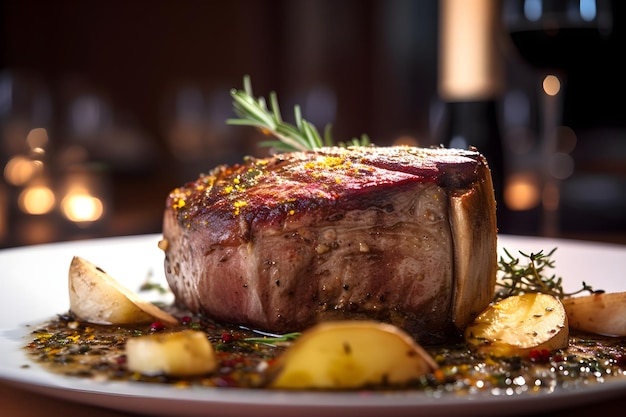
point(399, 234)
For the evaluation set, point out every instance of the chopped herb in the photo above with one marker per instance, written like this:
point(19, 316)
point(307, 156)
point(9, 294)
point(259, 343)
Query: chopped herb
point(272, 339)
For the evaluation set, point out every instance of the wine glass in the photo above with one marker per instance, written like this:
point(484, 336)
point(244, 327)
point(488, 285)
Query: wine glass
point(552, 36)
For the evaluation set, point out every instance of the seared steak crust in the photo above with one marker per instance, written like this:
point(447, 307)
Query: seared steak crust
point(284, 242)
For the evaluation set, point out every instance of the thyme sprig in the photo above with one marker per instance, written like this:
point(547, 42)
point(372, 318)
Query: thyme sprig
point(516, 278)
point(301, 136)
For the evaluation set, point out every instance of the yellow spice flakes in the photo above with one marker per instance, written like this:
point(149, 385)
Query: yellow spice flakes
point(328, 162)
point(238, 205)
point(179, 203)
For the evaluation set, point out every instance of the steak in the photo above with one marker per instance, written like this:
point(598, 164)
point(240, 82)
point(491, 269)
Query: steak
point(398, 234)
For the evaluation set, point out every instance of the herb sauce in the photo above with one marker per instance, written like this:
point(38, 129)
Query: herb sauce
point(70, 347)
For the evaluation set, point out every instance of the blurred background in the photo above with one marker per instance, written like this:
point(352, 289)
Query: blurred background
point(106, 106)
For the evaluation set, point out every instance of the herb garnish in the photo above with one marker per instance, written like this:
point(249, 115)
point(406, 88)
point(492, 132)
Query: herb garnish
point(302, 136)
point(516, 278)
point(271, 338)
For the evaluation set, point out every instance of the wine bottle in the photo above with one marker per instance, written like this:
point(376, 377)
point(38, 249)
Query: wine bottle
point(470, 85)
point(474, 123)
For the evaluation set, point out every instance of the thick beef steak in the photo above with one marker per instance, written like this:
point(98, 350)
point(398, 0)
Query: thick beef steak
point(399, 234)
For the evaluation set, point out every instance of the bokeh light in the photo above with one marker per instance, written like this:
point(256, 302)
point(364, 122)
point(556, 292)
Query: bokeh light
point(36, 199)
point(522, 191)
point(551, 85)
point(81, 207)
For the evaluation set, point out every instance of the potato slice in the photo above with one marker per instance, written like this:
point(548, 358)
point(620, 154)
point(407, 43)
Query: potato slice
point(350, 354)
point(518, 324)
point(598, 313)
point(185, 353)
point(96, 297)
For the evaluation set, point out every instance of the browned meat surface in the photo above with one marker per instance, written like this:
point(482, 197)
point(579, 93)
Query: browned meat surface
point(287, 241)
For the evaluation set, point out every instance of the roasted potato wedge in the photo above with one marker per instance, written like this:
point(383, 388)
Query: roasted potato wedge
point(96, 297)
point(598, 313)
point(350, 354)
point(185, 353)
point(519, 324)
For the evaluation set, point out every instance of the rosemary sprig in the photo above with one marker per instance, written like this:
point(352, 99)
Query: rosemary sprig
point(301, 136)
point(516, 278)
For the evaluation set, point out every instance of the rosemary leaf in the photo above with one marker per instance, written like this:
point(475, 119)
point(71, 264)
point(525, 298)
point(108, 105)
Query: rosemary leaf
point(298, 115)
point(275, 108)
point(312, 136)
point(248, 109)
point(291, 137)
point(328, 138)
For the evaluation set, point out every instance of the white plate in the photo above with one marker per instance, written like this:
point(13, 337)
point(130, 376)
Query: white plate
point(33, 288)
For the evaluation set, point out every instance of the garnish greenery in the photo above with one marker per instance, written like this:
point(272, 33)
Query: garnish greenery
point(301, 136)
point(517, 278)
point(273, 338)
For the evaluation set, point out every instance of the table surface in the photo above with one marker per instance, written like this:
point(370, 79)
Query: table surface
point(18, 402)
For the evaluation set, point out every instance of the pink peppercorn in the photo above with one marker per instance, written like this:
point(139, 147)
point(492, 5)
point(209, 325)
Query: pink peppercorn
point(156, 326)
point(540, 355)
